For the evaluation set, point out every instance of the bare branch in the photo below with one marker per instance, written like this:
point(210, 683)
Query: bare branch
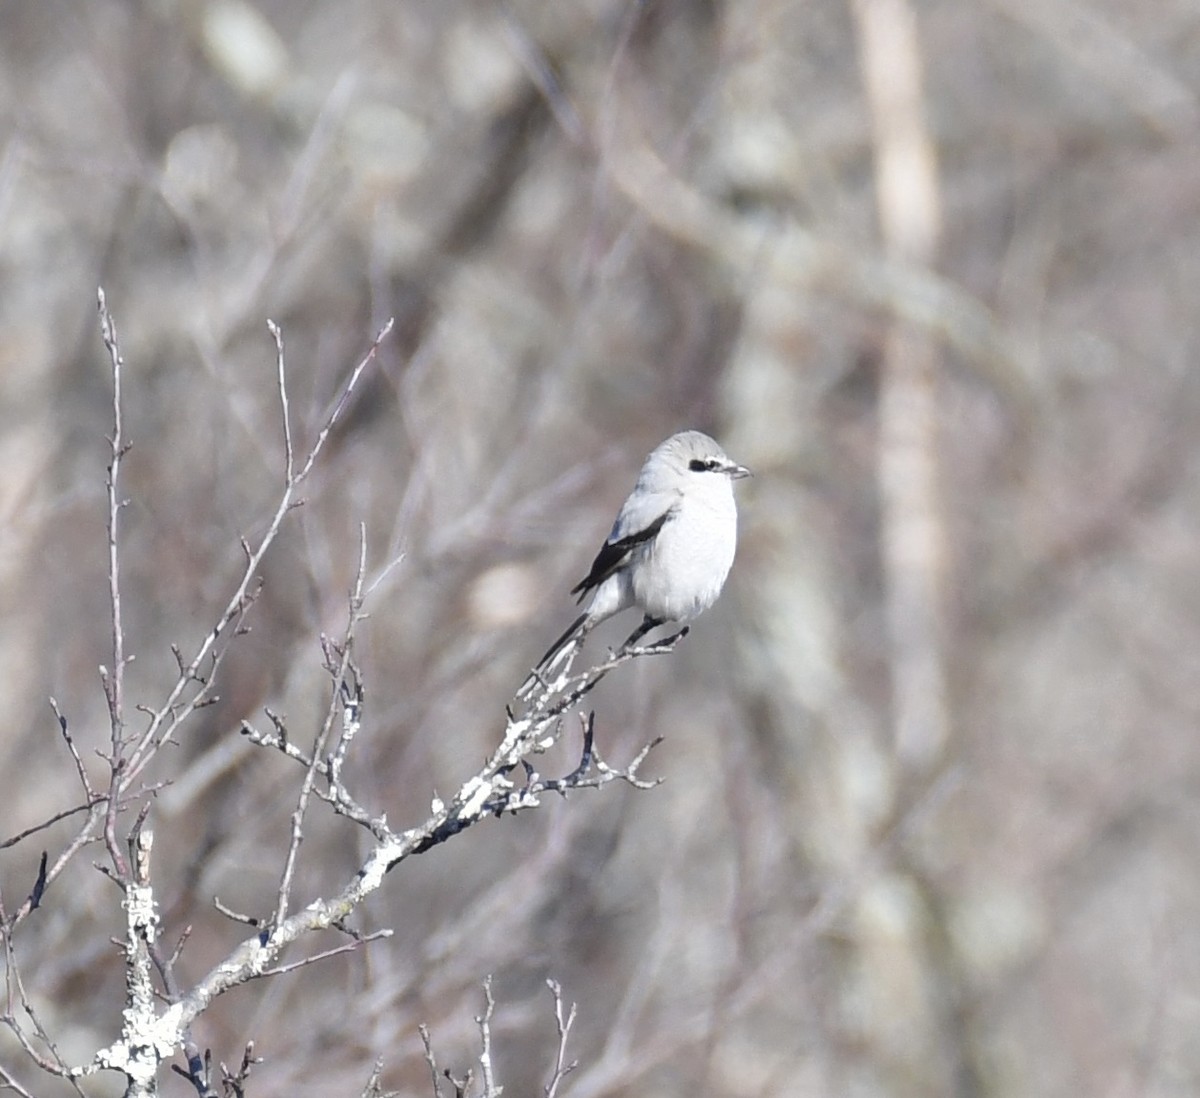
point(288, 452)
point(564, 1021)
point(484, 1022)
point(85, 835)
point(70, 742)
point(176, 708)
point(151, 1034)
point(349, 702)
point(15, 995)
point(10, 1083)
point(350, 947)
point(373, 1089)
point(114, 680)
point(430, 1059)
point(140, 1051)
point(50, 821)
point(234, 1082)
point(236, 916)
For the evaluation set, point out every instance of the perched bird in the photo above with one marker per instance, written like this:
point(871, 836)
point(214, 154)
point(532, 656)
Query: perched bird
point(670, 549)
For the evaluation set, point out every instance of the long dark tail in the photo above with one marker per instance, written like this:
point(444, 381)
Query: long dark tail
point(561, 643)
point(550, 659)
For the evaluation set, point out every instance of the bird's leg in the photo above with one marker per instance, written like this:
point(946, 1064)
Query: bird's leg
point(648, 623)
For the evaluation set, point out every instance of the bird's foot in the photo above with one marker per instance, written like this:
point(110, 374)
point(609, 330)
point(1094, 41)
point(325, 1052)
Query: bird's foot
point(653, 648)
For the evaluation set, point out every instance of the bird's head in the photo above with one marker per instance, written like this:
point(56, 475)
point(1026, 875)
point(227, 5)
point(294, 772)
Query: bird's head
point(692, 454)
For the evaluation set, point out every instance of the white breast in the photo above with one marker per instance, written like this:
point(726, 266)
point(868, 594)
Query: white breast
point(685, 567)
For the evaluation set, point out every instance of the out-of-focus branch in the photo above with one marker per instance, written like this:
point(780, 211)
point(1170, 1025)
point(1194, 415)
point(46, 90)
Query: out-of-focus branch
point(489, 1086)
point(1097, 45)
point(800, 259)
point(897, 283)
point(912, 531)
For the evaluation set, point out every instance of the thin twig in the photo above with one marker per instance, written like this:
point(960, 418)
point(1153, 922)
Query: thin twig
point(485, 1040)
point(15, 994)
point(350, 684)
point(66, 813)
point(373, 1089)
point(236, 916)
point(281, 381)
point(10, 1083)
point(317, 761)
point(349, 947)
point(85, 835)
point(114, 679)
point(430, 1059)
point(564, 1022)
point(174, 710)
point(80, 769)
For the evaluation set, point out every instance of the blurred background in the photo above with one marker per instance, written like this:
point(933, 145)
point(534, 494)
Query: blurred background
point(929, 823)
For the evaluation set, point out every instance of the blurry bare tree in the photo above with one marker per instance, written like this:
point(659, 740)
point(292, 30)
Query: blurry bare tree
point(930, 269)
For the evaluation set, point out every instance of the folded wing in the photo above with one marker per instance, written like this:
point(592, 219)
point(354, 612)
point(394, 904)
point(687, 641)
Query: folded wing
point(615, 552)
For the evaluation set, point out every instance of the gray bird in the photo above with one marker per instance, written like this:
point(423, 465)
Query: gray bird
point(670, 549)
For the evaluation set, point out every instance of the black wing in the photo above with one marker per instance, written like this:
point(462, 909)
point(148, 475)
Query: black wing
point(613, 554)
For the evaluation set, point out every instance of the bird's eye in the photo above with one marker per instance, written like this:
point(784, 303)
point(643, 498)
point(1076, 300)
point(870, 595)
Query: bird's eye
point(698, 466)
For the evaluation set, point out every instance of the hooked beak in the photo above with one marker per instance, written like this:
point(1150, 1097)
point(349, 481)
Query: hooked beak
point(737, 472)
